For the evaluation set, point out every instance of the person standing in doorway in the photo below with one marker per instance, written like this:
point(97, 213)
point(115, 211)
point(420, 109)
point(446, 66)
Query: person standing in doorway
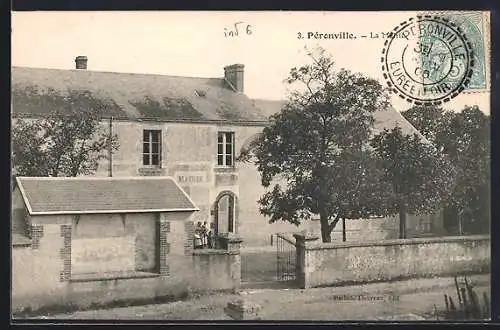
point(211, 236)
point(206, 231)
point(198, 233)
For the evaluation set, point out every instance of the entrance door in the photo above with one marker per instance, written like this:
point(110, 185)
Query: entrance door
point(225, 214)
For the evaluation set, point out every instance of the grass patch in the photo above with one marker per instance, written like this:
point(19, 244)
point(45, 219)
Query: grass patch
point(468, 304)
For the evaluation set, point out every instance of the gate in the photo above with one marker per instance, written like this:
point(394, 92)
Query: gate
point(285, 258)
point(271, 266)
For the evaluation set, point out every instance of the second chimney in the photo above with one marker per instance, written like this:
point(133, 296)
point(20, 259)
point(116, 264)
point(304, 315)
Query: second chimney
point(81, 62)
point(235, 74)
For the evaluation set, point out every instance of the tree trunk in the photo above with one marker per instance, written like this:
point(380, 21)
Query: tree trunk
point(460, 230)
point(402, 221)
point(326, 236)
point(327, 228)
point(344, 237)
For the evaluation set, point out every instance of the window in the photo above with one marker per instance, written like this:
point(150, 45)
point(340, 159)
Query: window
point(225, 149)
point(426, 224)
point(151, 149)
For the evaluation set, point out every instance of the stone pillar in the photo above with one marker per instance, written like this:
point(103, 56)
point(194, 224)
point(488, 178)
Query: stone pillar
point(164, 228)
point(243, 310)
point(233, 244)
point(302, 265)
point(65, 254)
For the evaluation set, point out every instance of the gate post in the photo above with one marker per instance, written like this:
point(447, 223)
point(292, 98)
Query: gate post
point(302, 265)
point(232, 245)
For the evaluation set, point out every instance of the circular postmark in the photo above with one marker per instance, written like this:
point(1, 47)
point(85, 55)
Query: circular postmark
point(427, 60)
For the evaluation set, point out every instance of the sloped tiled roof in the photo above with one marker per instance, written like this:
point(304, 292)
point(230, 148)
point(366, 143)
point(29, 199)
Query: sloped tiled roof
point(38, 91)
point(87, 195)
point(388, 118)
point(269, 107)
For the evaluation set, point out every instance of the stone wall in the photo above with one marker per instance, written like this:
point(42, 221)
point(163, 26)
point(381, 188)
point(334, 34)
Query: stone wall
point(327, 264)
point(36, 269)
point(385, 228)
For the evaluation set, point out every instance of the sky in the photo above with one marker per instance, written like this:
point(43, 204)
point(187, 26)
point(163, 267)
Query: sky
point(195, 44)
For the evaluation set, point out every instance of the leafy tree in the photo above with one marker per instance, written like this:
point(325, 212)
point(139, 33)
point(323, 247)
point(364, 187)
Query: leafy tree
point(464, 137)
point(69, 142)
point(430, 121)
point(317, 147)
point(419, 176)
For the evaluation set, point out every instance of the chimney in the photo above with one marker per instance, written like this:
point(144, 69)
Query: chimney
point(81, 62)
point(234, 75)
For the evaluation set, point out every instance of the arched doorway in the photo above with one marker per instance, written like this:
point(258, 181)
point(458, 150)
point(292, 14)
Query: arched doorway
point(225, 212)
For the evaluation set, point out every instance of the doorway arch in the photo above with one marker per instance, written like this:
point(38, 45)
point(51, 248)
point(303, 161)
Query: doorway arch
point(226, 212)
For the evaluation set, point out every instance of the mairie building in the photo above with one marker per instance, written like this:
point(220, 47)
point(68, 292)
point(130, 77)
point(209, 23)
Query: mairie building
point(193, 130)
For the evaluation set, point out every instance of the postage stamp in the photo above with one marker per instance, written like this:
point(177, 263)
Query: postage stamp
point(428, 60)
point(475, 26)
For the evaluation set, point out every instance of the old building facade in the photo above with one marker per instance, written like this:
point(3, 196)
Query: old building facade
point(191, 129)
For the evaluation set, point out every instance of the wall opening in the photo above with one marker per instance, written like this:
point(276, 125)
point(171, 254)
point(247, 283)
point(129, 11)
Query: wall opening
point(225, 213)
point(111, 243)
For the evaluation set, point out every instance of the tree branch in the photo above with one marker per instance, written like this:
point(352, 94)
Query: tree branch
point(332, 225)
point(78, 160)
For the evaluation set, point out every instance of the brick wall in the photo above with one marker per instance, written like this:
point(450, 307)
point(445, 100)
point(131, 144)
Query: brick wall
point(36, 234)
point(189, 243)
point(164, 246)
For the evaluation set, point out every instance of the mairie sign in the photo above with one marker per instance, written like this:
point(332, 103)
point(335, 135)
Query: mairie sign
point(191, 178)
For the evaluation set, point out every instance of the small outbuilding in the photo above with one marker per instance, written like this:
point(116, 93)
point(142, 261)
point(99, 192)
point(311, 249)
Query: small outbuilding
point(96, 239)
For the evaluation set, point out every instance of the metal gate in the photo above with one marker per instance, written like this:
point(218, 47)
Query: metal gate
point(285, 258)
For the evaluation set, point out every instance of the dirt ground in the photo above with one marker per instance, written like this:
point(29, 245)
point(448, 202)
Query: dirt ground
point(399, 300)
point(258, 266)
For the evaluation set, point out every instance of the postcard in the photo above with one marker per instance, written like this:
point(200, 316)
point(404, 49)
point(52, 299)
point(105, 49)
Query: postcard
point(260, 165)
